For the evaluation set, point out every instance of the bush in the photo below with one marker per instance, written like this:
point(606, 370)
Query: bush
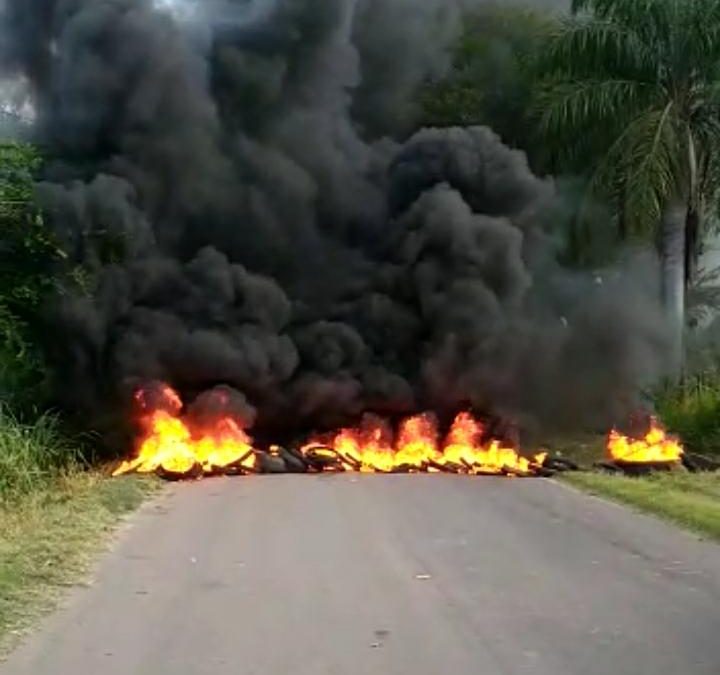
point(23, 379)
point(32, 455)
point(29, 258)
point(692, 410)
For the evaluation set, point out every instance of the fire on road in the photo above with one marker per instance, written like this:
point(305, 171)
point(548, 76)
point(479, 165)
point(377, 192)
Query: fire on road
point(188, 443)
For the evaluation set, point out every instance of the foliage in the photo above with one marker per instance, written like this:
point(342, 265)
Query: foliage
point(704, 297)
point(22, 367)
point(52, 513)
point(31, 455)
point(491, 80)
point(637, 83)
point(26, 247)
point(691, 409)
point(28, 258)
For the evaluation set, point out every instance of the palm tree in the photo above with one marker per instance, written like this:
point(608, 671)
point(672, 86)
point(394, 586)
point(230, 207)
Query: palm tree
point(635, 84)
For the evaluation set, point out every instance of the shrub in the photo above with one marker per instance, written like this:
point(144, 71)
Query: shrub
point(32, 455)
point(28, 260)
point(692, 410)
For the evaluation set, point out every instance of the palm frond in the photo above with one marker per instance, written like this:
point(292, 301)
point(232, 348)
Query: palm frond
point(582, 46)
point(703, 299)
point(652, 165)
point(573, 108)
point(633, 12)
point(638, 169)
point(701, 30)
point(637, 82)
point(704, 125)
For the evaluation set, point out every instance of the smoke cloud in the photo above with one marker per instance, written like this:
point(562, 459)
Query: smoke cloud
point(263, 234)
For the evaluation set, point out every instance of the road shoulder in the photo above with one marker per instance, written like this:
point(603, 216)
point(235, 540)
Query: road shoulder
point(49, 540)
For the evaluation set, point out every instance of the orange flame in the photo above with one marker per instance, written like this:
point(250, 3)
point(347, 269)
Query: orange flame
point(656, 446)
point(178, 445)
point(370, 450)
point(173, 444)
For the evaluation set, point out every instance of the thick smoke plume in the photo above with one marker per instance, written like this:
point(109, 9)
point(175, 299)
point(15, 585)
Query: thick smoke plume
point(230, 173)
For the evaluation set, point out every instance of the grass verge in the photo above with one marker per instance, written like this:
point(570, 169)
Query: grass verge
point(690, 500)
point(48, 537)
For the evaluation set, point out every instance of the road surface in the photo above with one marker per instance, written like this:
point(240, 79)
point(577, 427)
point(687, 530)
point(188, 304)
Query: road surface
point(388, 575)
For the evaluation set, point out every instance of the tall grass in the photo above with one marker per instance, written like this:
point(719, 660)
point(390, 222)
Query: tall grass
point(692, 410)
point(32, 455)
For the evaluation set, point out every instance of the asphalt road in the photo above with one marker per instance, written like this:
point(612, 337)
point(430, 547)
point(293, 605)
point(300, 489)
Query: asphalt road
point(385, 575)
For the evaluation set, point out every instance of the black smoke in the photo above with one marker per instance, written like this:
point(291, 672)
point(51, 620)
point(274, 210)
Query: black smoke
point(259, 231)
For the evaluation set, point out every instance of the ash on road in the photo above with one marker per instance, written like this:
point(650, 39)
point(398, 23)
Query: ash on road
point(385, 575)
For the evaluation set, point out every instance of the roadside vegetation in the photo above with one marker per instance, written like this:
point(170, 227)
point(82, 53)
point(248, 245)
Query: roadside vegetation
point(56, 508)
point(48, 539)
point(54, 513)
point(690, 500)
point(692, 410)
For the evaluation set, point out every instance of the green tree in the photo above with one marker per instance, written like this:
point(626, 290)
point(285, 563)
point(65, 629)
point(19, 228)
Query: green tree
point(636, 84)
point(28, 260)
point(491, 78)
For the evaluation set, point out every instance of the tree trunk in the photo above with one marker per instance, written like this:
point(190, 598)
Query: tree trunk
point(575, 243)
point(673, 261)
point(622, 212)
point(692, 245)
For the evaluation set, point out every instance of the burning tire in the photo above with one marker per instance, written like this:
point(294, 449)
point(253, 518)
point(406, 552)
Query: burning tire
point(172, 474)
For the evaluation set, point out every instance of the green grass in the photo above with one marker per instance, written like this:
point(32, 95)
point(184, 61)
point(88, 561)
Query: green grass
point(32, 455)
point(48, 539)
point(687, 499)
point(690, 500)
point(54, 515)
